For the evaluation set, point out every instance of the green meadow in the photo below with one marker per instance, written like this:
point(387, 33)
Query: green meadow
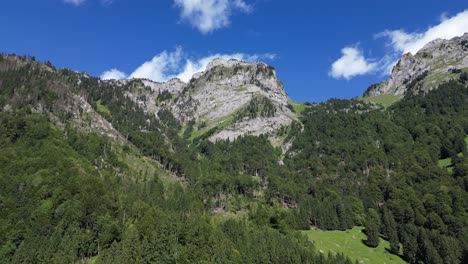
point(350, 242)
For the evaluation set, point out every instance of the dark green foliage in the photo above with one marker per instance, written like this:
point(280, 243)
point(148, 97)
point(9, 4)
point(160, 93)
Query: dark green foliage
point(464, 77)
point(372, 228)
point(389, 229)
point(202, 125)
point(388, 159)
point(57, 207)
point(164, 96)
point(168, 119)
point(257, 107)
point(455, 70)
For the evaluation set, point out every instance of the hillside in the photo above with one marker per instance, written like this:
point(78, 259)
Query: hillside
point(136, 171)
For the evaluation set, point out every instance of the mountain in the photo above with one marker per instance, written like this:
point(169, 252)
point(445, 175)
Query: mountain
point(437, 62)
point(229, 99)
point(221, 170)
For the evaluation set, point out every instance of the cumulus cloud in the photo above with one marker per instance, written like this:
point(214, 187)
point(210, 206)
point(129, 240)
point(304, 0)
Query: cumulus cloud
point(167, 65)
point(74, 2)
point(352, 63)
point(404, 42)
point(210, 15)
point(113, 74)
point(161, 67)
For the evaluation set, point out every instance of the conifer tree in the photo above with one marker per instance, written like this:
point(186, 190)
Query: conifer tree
point(372, 228)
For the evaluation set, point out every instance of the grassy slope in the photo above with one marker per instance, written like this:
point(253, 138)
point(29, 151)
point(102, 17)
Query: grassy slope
point(298, 107)
point(385, 100)
point(350, 243)
point(141, 167)
point(102, 109)
point(221, 123)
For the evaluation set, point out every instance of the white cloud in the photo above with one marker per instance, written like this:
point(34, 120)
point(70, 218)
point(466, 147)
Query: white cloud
point(404, 42)
point(210, 15)
point(113, 74)
point(161, 67)
point(352, 63)
point(167, 65)
point(74, 2)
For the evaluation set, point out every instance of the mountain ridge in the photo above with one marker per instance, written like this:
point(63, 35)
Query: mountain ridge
point(438, 61)
point(344, 163)
point(216, 100)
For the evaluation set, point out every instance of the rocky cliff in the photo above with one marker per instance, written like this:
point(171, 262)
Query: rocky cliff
point(438, 61)
point(229, 99)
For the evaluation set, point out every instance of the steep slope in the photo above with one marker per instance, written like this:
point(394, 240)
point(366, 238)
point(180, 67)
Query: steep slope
point(70, 193)
point(27, 83)
point(245, 98)
point(227, 100)
point(437, 62)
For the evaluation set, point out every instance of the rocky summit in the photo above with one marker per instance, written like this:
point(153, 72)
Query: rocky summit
point(437, 62)
point(229, 99)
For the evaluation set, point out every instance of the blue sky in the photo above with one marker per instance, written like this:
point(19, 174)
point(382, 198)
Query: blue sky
point(321, 49)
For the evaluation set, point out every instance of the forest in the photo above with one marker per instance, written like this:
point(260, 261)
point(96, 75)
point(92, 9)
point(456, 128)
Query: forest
point(68, 195)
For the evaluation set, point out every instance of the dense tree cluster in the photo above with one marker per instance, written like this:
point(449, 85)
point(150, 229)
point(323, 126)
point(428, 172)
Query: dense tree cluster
point(388, 160)
point(66, 195)
point(69, 198)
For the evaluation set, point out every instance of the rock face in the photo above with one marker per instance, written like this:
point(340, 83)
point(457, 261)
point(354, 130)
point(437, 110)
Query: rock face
point(229, 99)
point(438, 61)
point(226, 90)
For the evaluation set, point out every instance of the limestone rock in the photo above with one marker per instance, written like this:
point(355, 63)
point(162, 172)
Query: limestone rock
point(217, 95)
point(433, 64)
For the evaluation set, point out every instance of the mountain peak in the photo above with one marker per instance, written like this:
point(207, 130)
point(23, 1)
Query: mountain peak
point(229, 99)
point(438, 61)
point(234, 98)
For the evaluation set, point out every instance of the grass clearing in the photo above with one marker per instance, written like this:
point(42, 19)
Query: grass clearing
point(220, 124)
point(142, 168)
point(384, 100)
point(350, 242)
point(446, 164)
point(102, 109)
point(298, 107)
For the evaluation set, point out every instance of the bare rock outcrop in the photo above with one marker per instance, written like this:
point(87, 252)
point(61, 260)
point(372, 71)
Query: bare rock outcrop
point(224, 96)
point(438, 61)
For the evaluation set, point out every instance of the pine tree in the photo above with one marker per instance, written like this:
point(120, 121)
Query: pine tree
point(372, 228)
point(390, 231)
